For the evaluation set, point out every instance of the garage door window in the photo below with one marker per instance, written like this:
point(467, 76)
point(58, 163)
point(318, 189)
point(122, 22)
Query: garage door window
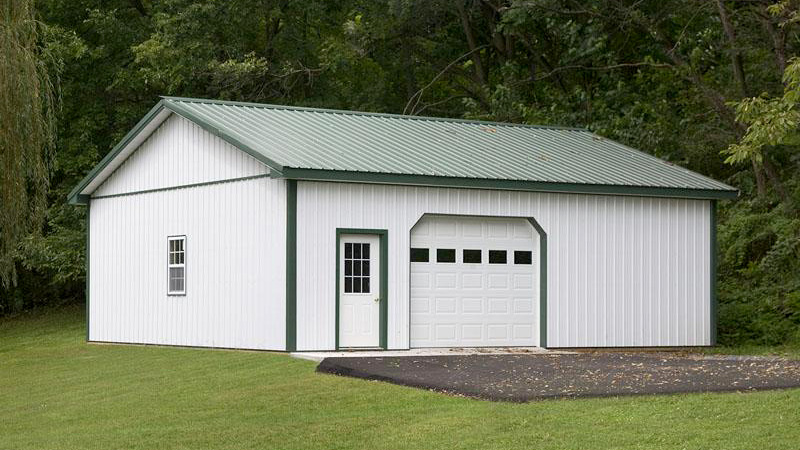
point(523, 257)
point(445, 255)
point(472, 256)
point(419, 255)
point(497, 257)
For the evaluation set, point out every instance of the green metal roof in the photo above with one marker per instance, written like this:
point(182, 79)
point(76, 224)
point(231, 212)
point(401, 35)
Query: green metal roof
point(319, 144)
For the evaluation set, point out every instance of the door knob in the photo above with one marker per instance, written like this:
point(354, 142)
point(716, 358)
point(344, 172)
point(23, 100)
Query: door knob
point(377, 299)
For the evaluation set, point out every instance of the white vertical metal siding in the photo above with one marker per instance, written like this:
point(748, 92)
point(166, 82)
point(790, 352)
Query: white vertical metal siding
point(235, 266)
point(622, 271)
point(235, 246)
point(178, 153)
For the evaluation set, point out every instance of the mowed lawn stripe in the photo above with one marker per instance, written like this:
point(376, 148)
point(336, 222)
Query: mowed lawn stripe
point(58, 392)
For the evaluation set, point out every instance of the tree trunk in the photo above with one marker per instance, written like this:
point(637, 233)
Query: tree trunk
point(480, 73)
point(775, 179)
point(761, 182)
point(736, 54)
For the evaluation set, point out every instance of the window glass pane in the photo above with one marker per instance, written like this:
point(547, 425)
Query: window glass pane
point(180, 257)
point(419, 255)
point(357, 268)
point(365, 268)
point(365, 251)
point(348, 250)
point(179, 245)
point(445, 255)
point(348, 268)
point(171, 245)
point(365, 285)
point(472, 256)
point(348, 284)
point(356, 285)
point(497, 256)
point(356, 251)
point(522, 257)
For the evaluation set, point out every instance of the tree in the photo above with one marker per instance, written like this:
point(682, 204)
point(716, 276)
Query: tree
point(27, 130)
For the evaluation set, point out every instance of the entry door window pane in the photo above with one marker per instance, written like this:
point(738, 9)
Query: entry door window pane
point(356, 268)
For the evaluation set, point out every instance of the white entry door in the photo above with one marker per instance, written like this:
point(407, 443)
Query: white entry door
point(474, 282)
point(359, 291)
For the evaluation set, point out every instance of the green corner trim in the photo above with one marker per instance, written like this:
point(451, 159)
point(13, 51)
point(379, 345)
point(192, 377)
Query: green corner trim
point(498, 184)
point(383, 235)
point(542, 282)
point(291, 265)
point(713, 272)
point(87, 261)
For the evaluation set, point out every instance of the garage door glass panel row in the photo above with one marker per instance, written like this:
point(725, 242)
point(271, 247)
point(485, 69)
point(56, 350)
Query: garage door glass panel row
point(470, 256)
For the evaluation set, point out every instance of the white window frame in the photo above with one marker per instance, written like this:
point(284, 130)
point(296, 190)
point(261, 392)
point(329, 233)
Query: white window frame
point(170, 265)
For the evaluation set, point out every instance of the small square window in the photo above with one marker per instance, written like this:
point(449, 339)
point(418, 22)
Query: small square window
point(445, 255)
point(472, 256)
point(497, 257)
point(348, 250)
point(356, 251)
point(523, 257)
point(419, 255)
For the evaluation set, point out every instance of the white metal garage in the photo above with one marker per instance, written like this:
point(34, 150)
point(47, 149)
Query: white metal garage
point(243, 225)
point(474, 282)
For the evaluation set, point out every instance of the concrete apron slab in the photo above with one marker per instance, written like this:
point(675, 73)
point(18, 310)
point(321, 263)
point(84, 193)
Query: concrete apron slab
point(415, 352)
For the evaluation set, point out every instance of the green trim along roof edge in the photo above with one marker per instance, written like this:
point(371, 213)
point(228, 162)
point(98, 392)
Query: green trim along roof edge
point(174, 105)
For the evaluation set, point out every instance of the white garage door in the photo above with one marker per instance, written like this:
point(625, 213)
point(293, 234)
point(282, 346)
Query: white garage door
point(474, 282)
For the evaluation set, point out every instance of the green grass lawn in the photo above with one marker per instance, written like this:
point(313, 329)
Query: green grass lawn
point(56, 391)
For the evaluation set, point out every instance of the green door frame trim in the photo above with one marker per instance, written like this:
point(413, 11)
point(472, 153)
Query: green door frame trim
point(713, 271)
point(383, 316)
point(542, 268)
point(291, 265)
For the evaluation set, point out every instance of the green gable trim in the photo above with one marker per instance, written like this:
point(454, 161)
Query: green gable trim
point(291, 265)
point(511, 185)
point(75, 197)
point(206, 125)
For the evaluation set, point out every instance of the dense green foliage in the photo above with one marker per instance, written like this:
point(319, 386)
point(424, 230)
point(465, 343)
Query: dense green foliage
point(27, 130)
point(57, 392)
point(692, 82)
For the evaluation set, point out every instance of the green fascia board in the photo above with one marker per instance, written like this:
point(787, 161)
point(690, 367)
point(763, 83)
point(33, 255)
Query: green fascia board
point(500, 184)
point(76, 198)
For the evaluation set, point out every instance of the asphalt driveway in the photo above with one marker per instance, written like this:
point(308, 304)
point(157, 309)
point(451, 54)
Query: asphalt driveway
point(525, 377)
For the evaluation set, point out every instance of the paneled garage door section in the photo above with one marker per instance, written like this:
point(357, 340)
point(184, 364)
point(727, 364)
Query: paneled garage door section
point(474, 282)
